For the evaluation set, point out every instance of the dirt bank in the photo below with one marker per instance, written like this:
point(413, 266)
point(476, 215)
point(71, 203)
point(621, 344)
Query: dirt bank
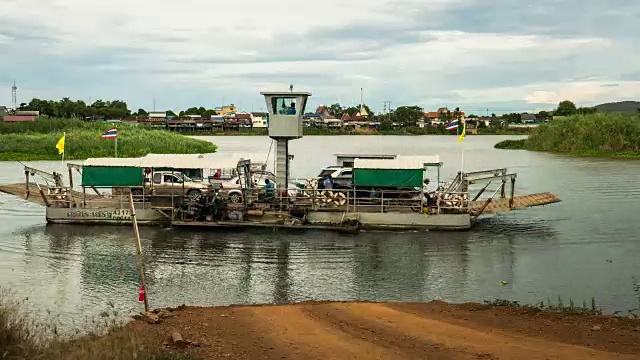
point(434, 330)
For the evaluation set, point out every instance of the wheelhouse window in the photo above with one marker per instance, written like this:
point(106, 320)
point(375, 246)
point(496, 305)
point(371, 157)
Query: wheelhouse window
point(284, 105)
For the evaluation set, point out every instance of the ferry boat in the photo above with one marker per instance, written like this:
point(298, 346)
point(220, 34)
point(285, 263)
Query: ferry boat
point(387, 194)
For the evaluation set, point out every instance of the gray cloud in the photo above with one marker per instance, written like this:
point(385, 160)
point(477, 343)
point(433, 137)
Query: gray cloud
point(632, 76)
point(339, 59)
point(283, 56)
point(558, 18)
point(23, 31)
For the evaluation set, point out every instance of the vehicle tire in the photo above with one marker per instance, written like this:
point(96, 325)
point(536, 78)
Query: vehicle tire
point(235, 198)
point(193, 193)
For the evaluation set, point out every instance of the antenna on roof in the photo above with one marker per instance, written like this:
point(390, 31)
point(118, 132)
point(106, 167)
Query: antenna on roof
point(291, 88)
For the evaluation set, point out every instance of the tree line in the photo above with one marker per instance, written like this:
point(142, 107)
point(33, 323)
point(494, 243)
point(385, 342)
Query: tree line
point(407, 116)
point(67, 108)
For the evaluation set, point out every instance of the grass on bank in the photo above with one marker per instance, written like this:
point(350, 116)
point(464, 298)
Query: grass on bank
point(589, 135)
point(37, 141)
point(559, 307)
point(21, 338)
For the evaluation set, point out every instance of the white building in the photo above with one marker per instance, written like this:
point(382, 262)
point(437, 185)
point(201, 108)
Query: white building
point(259, 120)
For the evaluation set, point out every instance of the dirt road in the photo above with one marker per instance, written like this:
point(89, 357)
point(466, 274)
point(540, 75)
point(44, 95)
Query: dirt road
point(433, 330)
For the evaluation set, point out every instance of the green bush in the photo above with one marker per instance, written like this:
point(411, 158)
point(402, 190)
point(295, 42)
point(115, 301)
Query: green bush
point(595, 134)
point(32, 141)
point(511, 144)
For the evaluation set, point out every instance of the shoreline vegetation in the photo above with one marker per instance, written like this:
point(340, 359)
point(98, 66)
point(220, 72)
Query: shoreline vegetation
point(30, 141)
point(594, 135)
point(409, 131)
point(222, 332)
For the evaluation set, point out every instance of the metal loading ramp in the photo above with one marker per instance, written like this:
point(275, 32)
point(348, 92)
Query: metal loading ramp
point(519, 202)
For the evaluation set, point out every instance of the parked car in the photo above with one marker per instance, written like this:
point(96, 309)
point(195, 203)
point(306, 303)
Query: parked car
point(342, 177)
point(232, 188)
point(168, 183)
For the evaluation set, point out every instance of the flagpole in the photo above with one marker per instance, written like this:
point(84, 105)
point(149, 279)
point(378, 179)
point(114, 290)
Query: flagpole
point(461, 124)
point(116, 143)
point(64, 150)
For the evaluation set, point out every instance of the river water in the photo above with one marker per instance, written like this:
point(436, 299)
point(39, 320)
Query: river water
point(586, 246)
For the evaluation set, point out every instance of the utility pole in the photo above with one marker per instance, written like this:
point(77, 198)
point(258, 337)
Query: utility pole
point(14, 95)
point(387, 109)
point(154, 104)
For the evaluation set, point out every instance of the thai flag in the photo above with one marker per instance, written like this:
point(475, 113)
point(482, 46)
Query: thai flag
point(111, 133)
point(452, 125)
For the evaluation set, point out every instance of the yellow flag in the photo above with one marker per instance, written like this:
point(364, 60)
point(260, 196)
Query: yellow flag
point(60, 145)
point(464, 130)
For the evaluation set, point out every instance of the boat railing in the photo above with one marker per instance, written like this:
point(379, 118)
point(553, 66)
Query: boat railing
point(376, 200)
point(106, 197)
point(346, 200)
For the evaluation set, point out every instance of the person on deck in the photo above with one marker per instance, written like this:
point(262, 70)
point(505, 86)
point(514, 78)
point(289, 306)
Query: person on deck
point(328, 182)
point(269, 188)
point(291, 110)
point(429, 195)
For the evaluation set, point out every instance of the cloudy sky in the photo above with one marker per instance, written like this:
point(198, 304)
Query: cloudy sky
point(505, 55)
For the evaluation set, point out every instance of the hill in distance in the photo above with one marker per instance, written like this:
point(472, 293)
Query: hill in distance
point(627, 107)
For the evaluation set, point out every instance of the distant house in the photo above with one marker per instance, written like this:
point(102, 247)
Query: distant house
point(260, 114)
point(333, 123)
point(19, 118)
point(526, 121)
point(27, 113)
point(323, 110)
point(260, 119)
point(244, 119)
point(95, 118)
point(226, 109)
point(315, 120)
point(158, 116)
point(485, 119)
point(434, 117)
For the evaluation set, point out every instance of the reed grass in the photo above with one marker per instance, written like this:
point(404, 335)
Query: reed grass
point(33, 141)
point(22, 338)
point(601, 134)
point(548, 306)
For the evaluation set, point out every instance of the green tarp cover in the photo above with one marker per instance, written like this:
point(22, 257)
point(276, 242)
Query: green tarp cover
point(112, 176)
point(388, 177)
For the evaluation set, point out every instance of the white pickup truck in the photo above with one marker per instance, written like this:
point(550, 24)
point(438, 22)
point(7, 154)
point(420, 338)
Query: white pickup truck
point(168, 183)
